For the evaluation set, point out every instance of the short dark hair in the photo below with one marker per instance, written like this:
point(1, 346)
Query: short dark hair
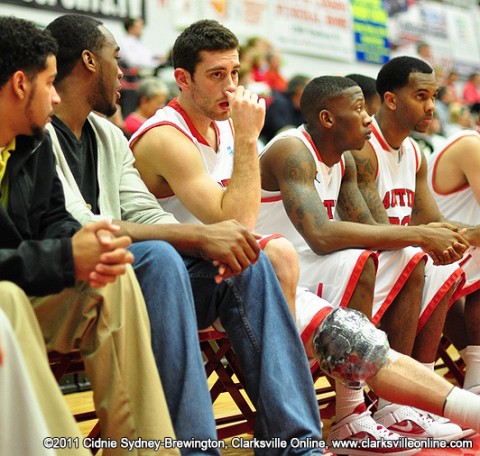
point(442, 90)
point(128, 22)
point(203, 35)
point(296, 82)
point(473, 75)
point(319, 94)
point(23, 46)
point(396, 73)
point(74, 33)
point(366, 83)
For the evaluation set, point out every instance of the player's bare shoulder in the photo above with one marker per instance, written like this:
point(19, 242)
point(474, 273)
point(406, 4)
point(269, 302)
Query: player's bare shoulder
point(281, 155)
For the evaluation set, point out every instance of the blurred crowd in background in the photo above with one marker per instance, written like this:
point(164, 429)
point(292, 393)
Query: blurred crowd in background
point(148, 84)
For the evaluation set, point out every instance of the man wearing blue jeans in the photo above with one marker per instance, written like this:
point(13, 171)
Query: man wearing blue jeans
point(219, 274)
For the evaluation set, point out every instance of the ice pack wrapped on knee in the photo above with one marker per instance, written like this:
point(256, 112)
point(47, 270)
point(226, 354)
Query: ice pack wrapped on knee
point(349, 347)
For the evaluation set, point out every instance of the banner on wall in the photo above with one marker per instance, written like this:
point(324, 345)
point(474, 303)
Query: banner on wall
point(449, 30)
point(185, 12)
point(105, 9)
point(347, 30)
point(321, 28)
point(244, 17)
point(370, 29)
point(461, 29)
point(316, 27)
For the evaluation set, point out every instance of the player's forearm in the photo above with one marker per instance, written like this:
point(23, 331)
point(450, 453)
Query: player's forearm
point(346, 235)
point(241, 200)
point(186, 238)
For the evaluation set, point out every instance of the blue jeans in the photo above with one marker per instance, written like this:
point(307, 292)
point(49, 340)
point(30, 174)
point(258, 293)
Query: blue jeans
point(181, 298)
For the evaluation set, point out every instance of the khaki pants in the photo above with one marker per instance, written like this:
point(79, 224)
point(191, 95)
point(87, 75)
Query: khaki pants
point(55, 411)
point(23, 427)
point(110, 328)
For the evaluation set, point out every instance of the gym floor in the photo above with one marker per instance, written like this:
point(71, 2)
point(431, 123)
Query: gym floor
point(81, 402)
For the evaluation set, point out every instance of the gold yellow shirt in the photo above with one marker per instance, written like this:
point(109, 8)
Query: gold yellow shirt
point(5, 155)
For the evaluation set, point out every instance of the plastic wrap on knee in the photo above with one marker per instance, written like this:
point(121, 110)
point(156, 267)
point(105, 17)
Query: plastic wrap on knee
point(349, 347)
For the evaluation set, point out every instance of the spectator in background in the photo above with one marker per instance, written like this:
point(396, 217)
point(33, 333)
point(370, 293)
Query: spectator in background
point(369, 89)
point(133, 53)
point(152, 95)
point(471, 92)
point(273, 75)
point(451, 83)
point(460, 119)
point(432, 138)
point(439, 74)
point(247, 77)
point(424, 52)
point(256, 51)
point(442, 106)
point(284, 109)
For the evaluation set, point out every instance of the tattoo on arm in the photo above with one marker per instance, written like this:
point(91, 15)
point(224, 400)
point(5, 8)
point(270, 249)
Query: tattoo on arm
point(350, 205)
point(366, 169)
point(300, 198)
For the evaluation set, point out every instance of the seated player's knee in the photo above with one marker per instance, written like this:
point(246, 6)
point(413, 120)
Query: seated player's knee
point(284, 259)
point(349, 347)
point(11, 297)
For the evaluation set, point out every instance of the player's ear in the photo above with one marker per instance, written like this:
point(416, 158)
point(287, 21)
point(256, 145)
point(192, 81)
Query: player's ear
point(89, 60)
point(20, 84)
point(326, 118)
point(182, 77)
point(390, 99)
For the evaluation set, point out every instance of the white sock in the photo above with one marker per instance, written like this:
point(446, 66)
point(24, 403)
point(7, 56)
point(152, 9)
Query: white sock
point(463, 407)
point(472, 361)
point(346, 400)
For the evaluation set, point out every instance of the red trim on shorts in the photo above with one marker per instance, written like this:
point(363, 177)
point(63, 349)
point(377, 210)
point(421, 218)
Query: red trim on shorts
point(271, 199)
point(320, 290)
point(398, 285)
point(464, 291)
point(357, 271)
point(432, 305)
point(267, 238)
point(314, 324)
